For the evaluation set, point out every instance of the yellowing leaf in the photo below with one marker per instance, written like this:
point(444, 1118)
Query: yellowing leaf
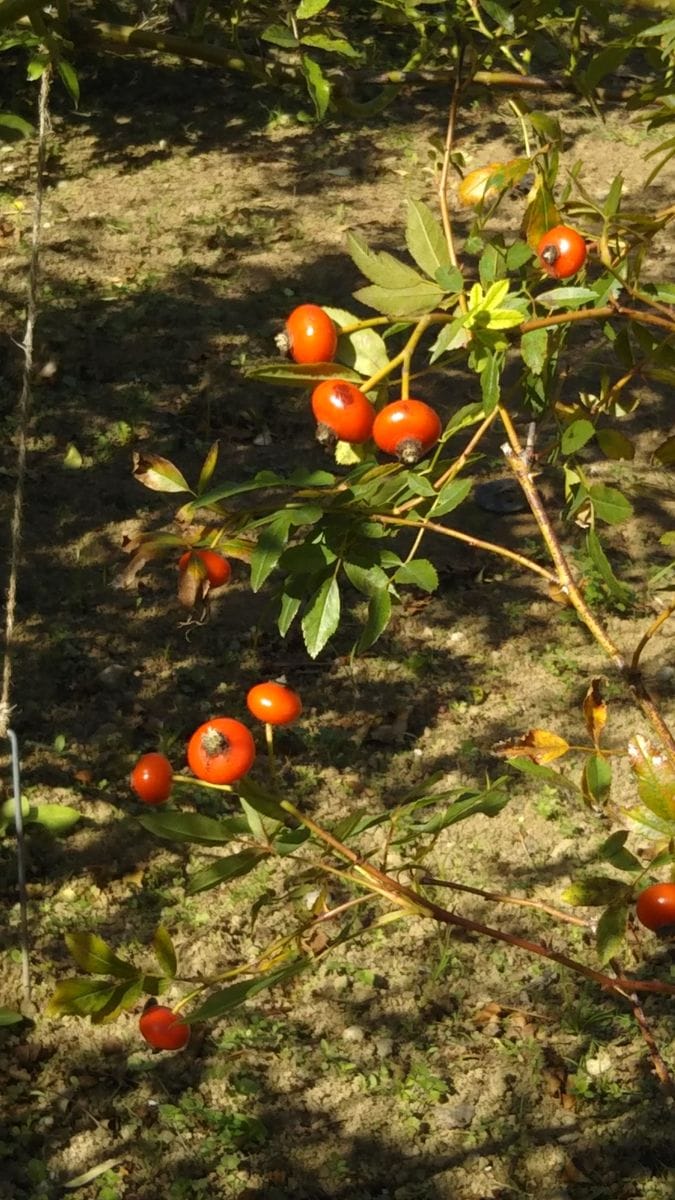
point(539, 745)
point(595, 711)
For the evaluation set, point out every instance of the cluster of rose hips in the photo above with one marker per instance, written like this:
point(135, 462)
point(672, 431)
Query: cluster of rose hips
point(220, 751)
point(406, 429)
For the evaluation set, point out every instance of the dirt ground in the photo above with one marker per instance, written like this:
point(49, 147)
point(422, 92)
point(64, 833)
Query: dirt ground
point(184, 217)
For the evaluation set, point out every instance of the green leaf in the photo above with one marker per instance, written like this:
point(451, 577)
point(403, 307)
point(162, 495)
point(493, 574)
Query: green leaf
point(12, 127)
point(82, 997)
point(69, 77)
point(425, 239)
point(545, 775)
point(490, 382)
point(614, 852)
point(57, 818)
point(379, 616)
point(366, 579)
point(594, 891)
point(500, 14)
point(596, 779)
point(123, 996)
point(611, 932)
point(288, 611)
point(287, 841)
point(450, 279)
point(310, 8)
point(517, 255)
point(383, 269)
point(420, 573)
point(453, 336)
point(604, 569)
point(575, 436)
point(165, 952)
point(422, 297)
point(357, 822)
point(611, 205)
point(489, 803)
point(192, 827)
point(317, 85)
point(419, 485)
point(280, 35)
point(364, 350)
point(322, 617)
point(615, 445)
point(236, 994)
point(96, 957)
point(534, 349)
point(656, 778)
point(567, 297)
point(604, 63)
point(451, 495)
point(158, 474)
point(9, 1017)
point(290, 374)
point(665, 453)
point(263, 802)
point(208, 467)
point(269, 548)
point(232, 867)
point(330, 44)
point(609, 504)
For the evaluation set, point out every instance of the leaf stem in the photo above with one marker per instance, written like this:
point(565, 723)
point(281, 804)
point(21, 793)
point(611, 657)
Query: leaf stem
point(477, 543)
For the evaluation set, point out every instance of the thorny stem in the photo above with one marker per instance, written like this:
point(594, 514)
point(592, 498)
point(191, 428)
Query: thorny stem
point(477, 543)
point(503, 898)
point(513, 452)
point(407, 898)
point(649, 633)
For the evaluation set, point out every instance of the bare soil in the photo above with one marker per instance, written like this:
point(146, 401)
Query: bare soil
point(183, 219)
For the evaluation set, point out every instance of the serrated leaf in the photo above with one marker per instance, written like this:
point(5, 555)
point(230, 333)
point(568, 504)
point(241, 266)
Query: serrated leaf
point(609, 504)
point(451, 495)
point(614, 852)
point(576, 435)
point(534, 349)
point(364, 351)
point(490, 382)
point(379, 616)
point(192, 827)
point(158, 473)
point(596, 779)
point(611, 932)
point(322, 617)
point(450, 279)
point(517, 255)
point(655, 775)
point(268, 550)
point(420, 573)
point(615, 445)
point(236, 994)
point(122, 997)
point(165, 952)
point(232, 867)
point(416, 300)
point(288, 611)
point(96, 957)
point(425, 239)
point(451, 337)
point(317, 85)
point(594, 891)
point(366, 579)
point(382, 268)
